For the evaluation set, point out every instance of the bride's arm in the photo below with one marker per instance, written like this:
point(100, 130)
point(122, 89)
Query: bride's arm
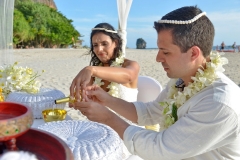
point(125, 74)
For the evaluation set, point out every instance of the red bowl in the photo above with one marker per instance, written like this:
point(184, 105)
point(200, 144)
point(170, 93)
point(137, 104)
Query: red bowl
point(15, 120)
point(44, 145)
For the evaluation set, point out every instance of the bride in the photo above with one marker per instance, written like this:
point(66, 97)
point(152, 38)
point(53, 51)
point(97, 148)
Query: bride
point(108, 68)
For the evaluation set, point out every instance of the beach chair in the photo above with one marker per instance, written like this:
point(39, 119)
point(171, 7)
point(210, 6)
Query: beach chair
point(148, 89)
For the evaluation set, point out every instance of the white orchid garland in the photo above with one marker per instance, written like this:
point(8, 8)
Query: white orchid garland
point(113, 86)
point(202, 79)
point(14, 78)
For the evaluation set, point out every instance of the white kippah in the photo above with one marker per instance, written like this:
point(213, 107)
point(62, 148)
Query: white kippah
point(183, 22)
point(104, 29)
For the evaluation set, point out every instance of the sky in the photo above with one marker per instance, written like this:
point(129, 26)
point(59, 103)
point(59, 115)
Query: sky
point(225, 16)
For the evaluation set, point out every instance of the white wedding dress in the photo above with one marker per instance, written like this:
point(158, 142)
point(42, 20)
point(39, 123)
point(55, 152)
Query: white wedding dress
point(128, 94)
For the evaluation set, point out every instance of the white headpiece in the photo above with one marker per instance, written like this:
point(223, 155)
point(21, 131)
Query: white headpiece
point(104, 29)
point(183, 22)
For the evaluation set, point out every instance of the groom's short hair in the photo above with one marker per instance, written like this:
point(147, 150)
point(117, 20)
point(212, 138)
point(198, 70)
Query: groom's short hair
point(198, 33)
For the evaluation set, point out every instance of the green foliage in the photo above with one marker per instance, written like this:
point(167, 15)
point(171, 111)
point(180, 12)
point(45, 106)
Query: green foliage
point(174, 112)
point(141, 44)
point(39, 25)
point(21, 28)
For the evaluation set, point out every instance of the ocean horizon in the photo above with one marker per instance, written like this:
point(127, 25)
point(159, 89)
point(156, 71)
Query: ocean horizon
point(228, 47)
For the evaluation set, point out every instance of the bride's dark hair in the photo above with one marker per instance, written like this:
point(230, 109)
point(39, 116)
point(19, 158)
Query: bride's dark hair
point(114, 37)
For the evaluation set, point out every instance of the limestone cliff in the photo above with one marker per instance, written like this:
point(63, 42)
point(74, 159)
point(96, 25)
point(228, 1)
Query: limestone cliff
point(50, 3)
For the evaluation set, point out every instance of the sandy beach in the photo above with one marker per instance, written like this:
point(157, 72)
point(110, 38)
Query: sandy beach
point(62, 65)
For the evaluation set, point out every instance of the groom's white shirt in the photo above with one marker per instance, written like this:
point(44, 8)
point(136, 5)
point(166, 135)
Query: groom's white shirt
point(207, 127)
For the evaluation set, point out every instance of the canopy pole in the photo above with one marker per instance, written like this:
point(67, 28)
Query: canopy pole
point(6, 31)
point(123, 11)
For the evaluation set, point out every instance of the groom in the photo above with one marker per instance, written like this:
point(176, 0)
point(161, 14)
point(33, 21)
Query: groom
point(198, 111)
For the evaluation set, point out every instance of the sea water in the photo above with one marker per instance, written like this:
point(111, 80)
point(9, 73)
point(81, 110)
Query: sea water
point(225, 48)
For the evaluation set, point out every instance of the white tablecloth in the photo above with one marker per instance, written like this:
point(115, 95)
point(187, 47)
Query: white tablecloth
point(38, 122)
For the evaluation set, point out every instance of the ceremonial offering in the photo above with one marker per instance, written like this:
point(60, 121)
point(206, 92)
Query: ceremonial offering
point(54, 115)
point(87, 139)
point(15, 120)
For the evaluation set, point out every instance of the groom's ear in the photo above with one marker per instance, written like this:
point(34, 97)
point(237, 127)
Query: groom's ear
point(195, 52)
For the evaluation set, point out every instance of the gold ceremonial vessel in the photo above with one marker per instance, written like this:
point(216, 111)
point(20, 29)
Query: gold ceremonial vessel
point(54, 114)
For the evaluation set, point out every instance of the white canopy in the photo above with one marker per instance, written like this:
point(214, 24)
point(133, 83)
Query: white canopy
point(123, 11)
point(6, 31)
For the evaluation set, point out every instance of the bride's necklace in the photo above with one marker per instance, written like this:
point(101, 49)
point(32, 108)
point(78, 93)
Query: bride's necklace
point(202, 79)
point(113, 86)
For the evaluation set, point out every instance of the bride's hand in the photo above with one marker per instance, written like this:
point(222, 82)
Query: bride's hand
point(80, 82)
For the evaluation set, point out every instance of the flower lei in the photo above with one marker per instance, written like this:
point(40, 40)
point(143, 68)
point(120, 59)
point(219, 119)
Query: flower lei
point(14, 78)
point(113, 86)
point(202, 79)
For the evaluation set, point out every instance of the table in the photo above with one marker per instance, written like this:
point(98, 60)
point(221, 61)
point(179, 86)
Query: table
point(38, 122)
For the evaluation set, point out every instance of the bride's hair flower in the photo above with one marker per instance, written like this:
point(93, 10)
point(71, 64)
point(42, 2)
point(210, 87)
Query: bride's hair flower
point(16, 78)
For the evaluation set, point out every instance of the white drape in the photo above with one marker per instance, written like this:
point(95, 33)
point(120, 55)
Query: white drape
point(123, 11)
point(6, 31)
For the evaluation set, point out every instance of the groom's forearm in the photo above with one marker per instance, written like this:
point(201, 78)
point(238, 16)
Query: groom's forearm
point(117, 124)
point(124, 108)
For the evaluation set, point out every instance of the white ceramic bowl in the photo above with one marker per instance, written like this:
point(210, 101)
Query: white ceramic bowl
point(44, 99)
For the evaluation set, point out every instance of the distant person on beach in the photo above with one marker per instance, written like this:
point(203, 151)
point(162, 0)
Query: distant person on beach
point(234, 46)
point(108, 67)
point(222, 46)
point(198, 111)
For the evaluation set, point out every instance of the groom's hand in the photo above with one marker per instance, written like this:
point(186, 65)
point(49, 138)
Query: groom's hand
point(94, 111)
point(97, 94)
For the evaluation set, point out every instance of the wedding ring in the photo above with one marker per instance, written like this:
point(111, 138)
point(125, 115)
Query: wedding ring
point(77, 100)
